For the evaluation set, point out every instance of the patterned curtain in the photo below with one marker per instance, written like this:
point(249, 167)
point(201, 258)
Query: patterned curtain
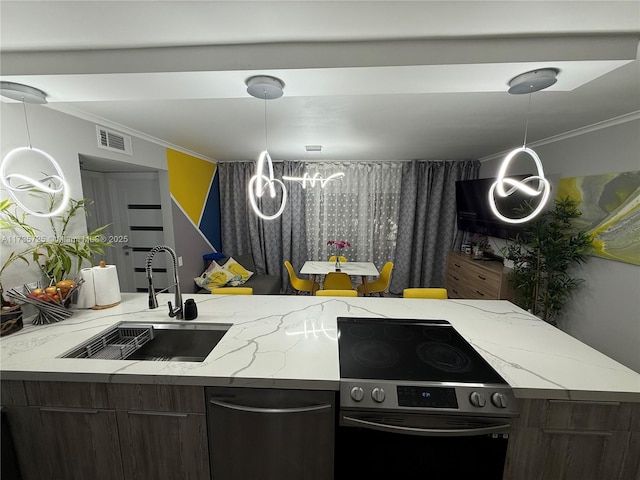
point(427, 224)
point(270, 242)
point(361, 207)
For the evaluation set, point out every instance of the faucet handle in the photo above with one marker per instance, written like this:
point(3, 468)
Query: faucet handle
point(177, 312)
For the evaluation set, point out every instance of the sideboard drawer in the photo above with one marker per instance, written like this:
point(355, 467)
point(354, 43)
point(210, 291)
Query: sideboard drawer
point(476, 279)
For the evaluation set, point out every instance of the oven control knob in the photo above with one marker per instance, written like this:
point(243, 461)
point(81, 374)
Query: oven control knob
point(377, 394)
point(477, 399)
point(357, 394)
point(500, 400)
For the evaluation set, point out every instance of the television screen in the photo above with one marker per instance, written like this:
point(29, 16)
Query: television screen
point(474, 212)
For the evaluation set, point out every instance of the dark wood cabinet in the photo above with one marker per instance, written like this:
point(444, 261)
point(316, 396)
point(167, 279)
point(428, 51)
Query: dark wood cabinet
point(573, 440)
point(163, 445)
point(108, 431)
point(66, 443)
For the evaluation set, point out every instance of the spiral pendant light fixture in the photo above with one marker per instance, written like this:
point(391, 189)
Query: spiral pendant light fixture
point(504, 186)
point(19, 185)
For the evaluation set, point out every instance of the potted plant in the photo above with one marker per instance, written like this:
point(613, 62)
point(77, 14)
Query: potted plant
point(58, 255)
point(543, 255)
point(10, 220)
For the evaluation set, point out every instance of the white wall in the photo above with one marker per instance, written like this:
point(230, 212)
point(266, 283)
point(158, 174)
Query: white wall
point(65, 138)
point(605, 312)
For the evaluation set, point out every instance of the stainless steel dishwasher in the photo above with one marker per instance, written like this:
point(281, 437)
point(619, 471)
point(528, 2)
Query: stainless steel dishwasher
point(270, 433)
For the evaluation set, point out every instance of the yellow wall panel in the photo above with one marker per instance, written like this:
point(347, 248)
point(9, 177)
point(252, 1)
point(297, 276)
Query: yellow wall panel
point(189, 182)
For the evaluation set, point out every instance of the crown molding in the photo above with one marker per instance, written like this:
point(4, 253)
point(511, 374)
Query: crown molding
point(627, 117)
point(74, 112)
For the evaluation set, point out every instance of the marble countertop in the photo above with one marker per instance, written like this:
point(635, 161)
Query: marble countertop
point(290, 342)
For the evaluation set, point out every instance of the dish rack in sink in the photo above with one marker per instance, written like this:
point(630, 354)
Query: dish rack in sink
point(115, 344)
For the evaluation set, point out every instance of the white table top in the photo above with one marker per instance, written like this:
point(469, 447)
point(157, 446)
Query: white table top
point(365, 269)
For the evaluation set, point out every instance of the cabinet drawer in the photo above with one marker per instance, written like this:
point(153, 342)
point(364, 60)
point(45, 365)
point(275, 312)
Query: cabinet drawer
point(569, 415)
point(482, 288)
point(476, 279)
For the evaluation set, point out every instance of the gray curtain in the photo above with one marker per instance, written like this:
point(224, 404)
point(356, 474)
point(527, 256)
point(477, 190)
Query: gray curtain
point(427, 223)
point(270, 242)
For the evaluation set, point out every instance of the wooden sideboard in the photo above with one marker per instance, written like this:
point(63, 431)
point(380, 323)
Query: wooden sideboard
point(476, 279)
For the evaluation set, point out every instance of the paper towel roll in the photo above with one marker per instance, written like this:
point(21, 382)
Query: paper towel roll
point(106, 285)
point(86, 290)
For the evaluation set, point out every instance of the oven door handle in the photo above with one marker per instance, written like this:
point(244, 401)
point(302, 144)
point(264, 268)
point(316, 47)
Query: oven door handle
point(440, 432)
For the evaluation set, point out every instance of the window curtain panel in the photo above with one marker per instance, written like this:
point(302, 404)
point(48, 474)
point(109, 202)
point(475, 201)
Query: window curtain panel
point(427, 223)
point(270, 242)
point(361, 207)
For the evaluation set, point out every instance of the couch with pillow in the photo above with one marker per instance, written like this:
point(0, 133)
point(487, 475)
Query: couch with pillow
point(235, 271)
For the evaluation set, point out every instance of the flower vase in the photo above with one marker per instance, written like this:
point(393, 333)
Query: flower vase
point(338, 263)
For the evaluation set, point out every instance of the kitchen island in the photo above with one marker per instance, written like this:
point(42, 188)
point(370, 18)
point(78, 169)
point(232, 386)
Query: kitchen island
point(565, 389)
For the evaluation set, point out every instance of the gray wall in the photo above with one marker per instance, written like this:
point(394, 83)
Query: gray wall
point(65, 138)
point(605, 313)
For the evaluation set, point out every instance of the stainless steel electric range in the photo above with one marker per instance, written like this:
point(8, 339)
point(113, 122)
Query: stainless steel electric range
point(417, 390)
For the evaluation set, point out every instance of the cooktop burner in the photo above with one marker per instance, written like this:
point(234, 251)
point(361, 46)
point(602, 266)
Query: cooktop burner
point(411, 350)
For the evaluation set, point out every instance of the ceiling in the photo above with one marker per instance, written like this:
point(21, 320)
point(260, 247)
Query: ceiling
point(366, 80)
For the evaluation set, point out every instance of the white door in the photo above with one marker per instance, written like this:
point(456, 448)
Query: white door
point(131, 203)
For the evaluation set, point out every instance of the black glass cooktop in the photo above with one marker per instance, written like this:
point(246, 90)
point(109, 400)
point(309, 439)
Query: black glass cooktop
point(416, 350)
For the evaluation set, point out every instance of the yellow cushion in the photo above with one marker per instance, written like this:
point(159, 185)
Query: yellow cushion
point(239, 273)
point(214, 276)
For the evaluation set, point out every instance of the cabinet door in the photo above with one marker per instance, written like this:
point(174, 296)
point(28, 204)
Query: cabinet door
point(163, 445)
point(271, 434)
point(66, 443)
point(573, 440)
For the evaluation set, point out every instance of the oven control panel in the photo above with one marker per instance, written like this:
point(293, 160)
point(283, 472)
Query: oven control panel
point(478, 399)
point(428, 396)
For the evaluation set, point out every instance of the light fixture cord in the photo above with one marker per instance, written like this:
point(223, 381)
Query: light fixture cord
point(266, 143)
point(526, 124)
point(26, 121)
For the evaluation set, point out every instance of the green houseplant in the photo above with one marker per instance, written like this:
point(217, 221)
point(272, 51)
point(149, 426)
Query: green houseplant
point(543, 256)
point(58, 253)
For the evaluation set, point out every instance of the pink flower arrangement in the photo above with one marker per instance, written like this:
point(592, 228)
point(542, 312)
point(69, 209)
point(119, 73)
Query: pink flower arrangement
point(339, 244)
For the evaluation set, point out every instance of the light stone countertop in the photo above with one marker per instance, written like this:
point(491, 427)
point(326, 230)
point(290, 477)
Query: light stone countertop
point(290, 342)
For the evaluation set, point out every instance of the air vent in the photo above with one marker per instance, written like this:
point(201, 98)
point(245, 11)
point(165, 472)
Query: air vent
point(114, 141)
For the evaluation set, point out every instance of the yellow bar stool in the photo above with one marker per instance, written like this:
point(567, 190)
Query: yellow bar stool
point(437, 293)
point(232, 291)
point(337, 293)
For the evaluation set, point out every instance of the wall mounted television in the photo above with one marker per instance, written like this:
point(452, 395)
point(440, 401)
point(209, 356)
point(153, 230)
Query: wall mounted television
point(474, 213)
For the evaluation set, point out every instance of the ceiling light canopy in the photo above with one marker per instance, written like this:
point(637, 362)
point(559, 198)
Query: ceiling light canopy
point(533, 81)
point(265, 87)
point(22, 93)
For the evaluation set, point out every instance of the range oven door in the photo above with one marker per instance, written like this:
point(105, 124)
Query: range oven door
point(377, 444)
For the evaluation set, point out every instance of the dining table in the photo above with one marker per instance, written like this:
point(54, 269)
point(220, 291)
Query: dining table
point(353, 269)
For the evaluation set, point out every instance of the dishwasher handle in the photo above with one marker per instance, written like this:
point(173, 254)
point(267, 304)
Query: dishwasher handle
point(243, 408)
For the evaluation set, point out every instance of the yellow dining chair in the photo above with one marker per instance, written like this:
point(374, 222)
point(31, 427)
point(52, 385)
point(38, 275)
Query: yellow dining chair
point(337, 293)
point(300, 284)
point(381, 284)
point(438, 293)
point(232, 291)
point(332, 258)
point(337, 281)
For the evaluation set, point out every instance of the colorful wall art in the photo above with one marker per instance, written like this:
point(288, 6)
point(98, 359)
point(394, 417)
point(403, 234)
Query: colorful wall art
point(610, 206)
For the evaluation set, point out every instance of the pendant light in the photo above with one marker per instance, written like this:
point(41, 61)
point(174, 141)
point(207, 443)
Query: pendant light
point(16, 183)
point(528, 82)
point(267, 88)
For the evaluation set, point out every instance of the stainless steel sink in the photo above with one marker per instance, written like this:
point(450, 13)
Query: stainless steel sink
point(152, 341)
